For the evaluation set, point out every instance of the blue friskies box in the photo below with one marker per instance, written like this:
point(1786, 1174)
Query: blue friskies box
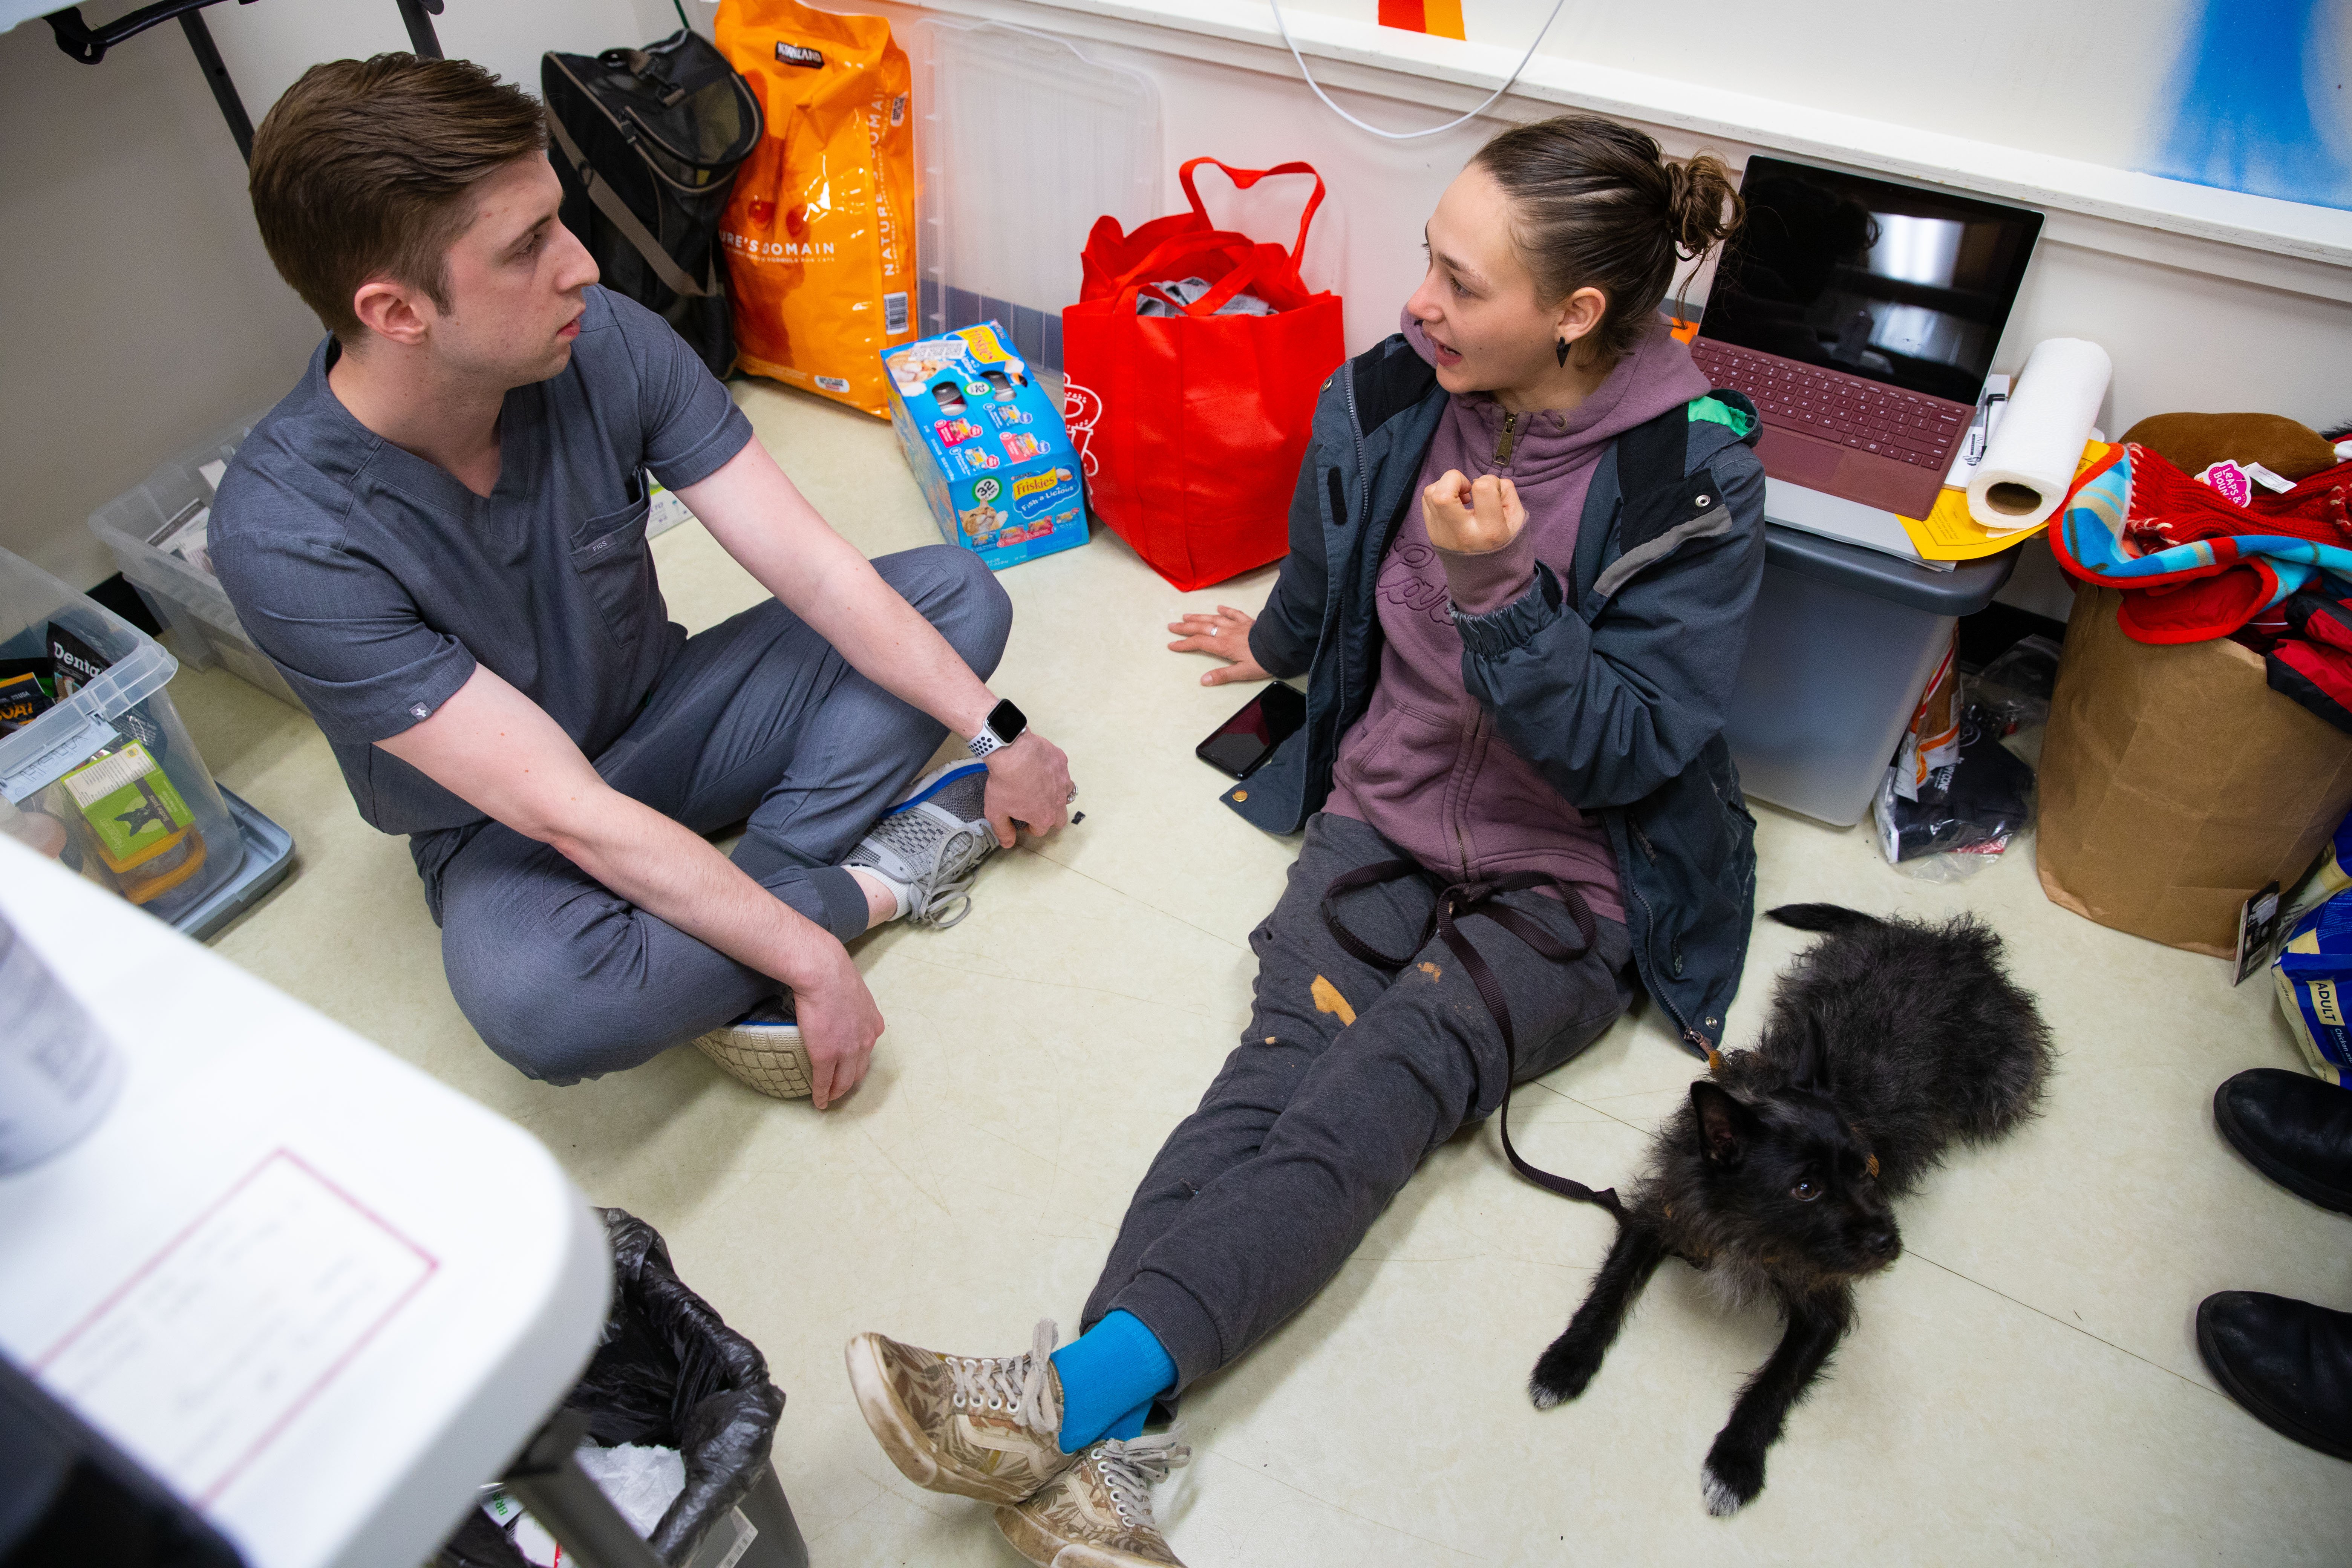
point(987, 445)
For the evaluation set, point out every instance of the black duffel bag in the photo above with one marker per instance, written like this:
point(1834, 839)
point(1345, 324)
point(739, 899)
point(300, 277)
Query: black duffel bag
point(646, 143)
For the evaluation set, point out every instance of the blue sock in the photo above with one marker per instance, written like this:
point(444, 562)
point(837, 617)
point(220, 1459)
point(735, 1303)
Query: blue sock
point(1127, 1426)
point(1110, 1377)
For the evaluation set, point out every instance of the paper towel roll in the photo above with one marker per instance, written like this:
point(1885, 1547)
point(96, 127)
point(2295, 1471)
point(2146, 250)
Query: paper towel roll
point(2032, 456)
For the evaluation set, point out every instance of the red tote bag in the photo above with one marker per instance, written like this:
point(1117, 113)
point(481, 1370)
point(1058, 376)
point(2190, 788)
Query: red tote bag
point(1190, 428)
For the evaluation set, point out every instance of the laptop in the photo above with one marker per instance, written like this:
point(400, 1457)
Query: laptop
point(1860, 316)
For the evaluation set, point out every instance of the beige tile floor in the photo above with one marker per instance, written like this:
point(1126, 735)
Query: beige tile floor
point(2023, 1387)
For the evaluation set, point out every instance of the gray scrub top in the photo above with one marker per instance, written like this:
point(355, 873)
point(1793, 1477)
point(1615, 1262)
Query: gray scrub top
point(377, 582)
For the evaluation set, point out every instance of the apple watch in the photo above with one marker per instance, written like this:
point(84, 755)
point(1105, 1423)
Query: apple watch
point(1005, 724)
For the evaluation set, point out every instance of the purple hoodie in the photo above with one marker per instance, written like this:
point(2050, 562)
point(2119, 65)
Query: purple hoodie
point(1423, 767)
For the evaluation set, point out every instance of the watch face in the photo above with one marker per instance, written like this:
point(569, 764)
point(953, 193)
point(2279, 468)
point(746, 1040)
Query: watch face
point(1007, 722)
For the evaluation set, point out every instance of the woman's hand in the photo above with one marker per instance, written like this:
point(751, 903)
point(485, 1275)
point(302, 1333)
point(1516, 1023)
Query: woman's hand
point(1472, 519)
point(1224, 634)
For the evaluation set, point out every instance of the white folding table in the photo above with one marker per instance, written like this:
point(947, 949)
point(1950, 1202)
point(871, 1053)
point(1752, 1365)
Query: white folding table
point(318, 1293)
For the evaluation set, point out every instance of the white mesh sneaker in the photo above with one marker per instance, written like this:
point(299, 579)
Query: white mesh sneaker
point(933, 841)
point(763, 1048)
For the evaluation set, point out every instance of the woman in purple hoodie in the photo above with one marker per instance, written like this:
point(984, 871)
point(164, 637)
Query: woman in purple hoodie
point(1521, 648)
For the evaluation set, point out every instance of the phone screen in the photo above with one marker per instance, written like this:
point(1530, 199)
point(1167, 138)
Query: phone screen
point(1250, 736)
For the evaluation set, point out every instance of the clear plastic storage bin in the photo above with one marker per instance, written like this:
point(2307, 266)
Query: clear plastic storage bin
point(185, 596)
point(45, 766)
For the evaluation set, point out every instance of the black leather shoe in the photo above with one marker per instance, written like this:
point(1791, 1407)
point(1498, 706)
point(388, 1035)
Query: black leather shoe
point(2288, 1363)
point(2297, 1129)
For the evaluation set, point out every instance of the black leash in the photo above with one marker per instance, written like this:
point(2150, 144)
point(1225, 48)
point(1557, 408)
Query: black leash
point(1460, 901)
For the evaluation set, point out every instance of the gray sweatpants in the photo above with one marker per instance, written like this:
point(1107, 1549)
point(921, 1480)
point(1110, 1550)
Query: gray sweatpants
point(756, 720)
point(1316, 1123)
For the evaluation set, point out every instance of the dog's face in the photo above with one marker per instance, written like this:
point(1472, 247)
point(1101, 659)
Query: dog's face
point(1804, 1188)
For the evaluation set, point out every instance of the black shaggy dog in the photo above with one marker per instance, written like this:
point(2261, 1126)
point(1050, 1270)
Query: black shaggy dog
point(1886, 1041)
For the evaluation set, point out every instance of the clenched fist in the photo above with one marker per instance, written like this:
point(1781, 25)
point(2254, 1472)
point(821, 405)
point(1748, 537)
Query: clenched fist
point(1472, 519)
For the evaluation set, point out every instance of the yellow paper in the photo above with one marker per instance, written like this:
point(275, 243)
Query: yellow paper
point(1950, 533)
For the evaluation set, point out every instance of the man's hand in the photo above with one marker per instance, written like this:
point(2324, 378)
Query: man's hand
point(1224, 634)
point(1472, 519)
point(839, 1020)
point(1028, 783)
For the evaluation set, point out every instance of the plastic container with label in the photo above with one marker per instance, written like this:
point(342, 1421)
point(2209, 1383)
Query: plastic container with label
point(161, 835)
point(184, 595)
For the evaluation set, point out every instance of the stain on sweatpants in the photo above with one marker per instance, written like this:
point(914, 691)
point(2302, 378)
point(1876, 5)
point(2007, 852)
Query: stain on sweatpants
point(1328, 1000)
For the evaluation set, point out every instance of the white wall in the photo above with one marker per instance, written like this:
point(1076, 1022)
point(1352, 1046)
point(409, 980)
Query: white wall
point(2078, 78)
point(138, 312)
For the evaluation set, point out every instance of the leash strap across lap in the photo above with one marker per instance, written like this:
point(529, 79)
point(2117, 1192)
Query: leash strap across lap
point(1457, 902)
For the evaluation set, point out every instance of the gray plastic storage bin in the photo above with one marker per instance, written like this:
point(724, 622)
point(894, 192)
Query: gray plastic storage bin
point(126, 704)
point(1841, 643)
point(187, 599)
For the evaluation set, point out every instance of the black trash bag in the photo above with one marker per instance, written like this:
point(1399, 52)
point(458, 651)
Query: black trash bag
point(671, 1375)
point(646, 143)
point(668, 1374)
point(1973, 806)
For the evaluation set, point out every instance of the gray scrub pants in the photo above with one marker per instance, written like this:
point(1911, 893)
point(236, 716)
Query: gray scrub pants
point(756, 720)
point(1315, 1123)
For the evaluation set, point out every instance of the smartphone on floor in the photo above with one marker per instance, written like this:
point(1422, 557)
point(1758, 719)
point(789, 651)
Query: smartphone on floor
point(1250, 736)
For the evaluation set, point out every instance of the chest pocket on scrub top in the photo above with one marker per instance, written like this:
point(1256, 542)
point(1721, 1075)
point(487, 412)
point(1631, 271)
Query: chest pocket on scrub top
point(614, 562)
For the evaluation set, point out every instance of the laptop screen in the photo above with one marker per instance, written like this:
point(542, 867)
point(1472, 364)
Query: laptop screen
point(1901, 285)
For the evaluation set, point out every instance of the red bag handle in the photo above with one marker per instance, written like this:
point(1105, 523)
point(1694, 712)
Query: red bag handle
point(1244, 179)
point(1242, 275)
point(1168, 251)
point(1244, 272)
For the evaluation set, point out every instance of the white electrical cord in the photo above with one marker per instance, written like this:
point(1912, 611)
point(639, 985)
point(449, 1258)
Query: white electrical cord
point(1435, 129)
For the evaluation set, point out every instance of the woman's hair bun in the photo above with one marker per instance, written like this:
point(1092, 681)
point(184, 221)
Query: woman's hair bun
point(1588, 196)
point(1703, 205)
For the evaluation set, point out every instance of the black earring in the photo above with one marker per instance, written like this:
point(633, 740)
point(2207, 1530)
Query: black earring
point(1560, 347)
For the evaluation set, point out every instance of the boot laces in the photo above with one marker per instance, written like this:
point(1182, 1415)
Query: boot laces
point(1130, 1468)
point(1015, 1385)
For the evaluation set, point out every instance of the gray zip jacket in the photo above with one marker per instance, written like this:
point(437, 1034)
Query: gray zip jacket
point(1613, 685)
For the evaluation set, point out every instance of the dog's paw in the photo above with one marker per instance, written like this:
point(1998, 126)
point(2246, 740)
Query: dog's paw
point(1563, 1371)
point(1730, 1479)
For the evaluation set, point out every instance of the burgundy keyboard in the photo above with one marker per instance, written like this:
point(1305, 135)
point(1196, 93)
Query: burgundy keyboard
point(1868, 415)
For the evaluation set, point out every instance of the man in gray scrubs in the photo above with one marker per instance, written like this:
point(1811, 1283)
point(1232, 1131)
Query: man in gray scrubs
point(440, 536)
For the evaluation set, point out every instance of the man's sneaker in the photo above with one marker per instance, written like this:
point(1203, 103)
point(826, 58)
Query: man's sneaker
point(933, 841)
point(980, 1426)
point(762, 1048)
point(1097, 1513)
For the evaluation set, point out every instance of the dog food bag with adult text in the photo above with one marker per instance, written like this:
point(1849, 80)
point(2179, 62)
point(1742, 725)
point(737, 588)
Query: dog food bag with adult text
point(2314, 976)
point(819, 234)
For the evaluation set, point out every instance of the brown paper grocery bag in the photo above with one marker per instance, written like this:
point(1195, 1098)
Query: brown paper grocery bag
point(2176, 784)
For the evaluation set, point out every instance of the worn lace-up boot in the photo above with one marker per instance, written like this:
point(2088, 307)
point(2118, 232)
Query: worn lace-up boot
point(978, 1426)
point(1097, 1513)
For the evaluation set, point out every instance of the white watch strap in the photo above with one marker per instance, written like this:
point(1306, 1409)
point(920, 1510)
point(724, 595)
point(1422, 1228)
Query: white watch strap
point(979, 745)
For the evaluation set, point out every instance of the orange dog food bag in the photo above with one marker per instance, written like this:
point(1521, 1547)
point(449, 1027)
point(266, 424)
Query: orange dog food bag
point(819, 236)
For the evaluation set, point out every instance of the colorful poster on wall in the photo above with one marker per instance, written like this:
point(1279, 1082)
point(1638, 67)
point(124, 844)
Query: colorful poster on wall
point(1440, 17)
point(2257, 101)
